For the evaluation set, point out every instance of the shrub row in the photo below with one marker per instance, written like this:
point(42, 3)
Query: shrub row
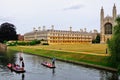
point(23, 43)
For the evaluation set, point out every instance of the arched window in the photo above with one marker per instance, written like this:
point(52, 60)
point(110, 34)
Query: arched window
point(108, 28)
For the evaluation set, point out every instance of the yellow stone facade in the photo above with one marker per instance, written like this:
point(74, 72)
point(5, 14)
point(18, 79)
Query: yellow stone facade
point(60, 36)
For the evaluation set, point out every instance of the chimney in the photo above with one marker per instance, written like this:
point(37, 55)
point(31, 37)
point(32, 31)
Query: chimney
point(52, 27)
point(34, 29)
point(81, 30)
point(95, 31)
point(39, 28)
point(85, 29)
point(43, 28)
point(70, 28)
point(90, 31)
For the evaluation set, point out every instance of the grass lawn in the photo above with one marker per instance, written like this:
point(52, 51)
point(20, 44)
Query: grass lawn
point(91, 48)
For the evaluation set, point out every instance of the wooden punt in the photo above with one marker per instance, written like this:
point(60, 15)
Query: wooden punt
point(49, 65)
point(12, 68)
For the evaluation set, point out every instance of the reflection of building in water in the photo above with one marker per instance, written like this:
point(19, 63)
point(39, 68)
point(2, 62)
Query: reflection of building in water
point(60, 36)
point(107, 23)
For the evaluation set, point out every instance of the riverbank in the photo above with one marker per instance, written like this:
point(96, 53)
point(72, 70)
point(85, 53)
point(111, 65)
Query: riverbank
point(3, 47)
point(95, 61)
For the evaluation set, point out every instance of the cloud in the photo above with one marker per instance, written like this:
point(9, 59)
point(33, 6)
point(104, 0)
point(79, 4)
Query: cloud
point(74, 7)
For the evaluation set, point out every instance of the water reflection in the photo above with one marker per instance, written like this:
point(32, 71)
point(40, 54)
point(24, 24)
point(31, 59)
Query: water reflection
point(23, 76)
point(6, 58)
point(108, 76)
point(63, 71)
point(53, 71)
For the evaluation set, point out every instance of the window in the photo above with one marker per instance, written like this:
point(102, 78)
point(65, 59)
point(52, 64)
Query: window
point(108, 28)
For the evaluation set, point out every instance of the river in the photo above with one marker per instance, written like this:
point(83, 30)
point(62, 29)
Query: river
point(63, 70)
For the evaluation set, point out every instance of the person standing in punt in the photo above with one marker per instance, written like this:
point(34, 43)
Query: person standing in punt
point(23, 65)
point(53, 62)
point(21, 60)
point(20, 57)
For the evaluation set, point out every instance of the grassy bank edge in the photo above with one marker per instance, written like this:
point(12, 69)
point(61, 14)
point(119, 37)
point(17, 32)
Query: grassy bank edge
point(44, 53)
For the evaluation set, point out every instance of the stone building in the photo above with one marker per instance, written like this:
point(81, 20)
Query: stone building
point(107, 24)
point(60, 36)
point(20, 37)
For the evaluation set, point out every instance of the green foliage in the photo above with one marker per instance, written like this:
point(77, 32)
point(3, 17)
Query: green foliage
point(23, 43)
point(45, 44)
point(5, 41)
point(119, 69)
point(8, 32)
point(37, 41)
point(97, 40)
point(11, 43)
point(114, 45)
point(32, 42)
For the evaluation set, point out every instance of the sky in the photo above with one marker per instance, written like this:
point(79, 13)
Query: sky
point(79, 14)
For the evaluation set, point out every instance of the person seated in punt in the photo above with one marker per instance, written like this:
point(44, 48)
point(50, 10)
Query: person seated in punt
point(48, 64)
point(17, 67)
point(9, 65)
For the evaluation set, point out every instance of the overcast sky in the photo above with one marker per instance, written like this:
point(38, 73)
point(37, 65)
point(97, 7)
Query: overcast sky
point(80, 14)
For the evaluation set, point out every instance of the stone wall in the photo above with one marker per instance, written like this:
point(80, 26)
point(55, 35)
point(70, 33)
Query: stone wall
point(3, 47)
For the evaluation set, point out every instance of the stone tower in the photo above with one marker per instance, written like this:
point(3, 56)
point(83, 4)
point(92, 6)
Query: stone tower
point(106, 24)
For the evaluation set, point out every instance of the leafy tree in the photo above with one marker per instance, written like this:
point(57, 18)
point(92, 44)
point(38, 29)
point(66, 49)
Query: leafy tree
point(97, 40)
point(114, 45)
point(7, 32)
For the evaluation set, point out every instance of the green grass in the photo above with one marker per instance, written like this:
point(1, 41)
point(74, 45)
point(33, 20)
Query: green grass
point(91, 48)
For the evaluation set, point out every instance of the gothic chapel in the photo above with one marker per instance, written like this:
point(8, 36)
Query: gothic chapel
point(106, 25)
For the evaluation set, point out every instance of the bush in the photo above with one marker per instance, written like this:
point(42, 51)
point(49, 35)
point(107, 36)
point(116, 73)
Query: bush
point(11, 43)
point(22, 43)
point(45, 44)
point(97, 40)
point(32, 43)
point(37, 41)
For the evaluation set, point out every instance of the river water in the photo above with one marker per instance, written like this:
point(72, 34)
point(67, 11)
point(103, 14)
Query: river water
point(63, 70)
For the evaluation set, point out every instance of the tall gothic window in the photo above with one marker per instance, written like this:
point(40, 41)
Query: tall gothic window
point(108, 28)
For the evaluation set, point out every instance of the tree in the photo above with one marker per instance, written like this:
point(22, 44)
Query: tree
point(114, 45)
point(97, 40)
point(7, 32)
